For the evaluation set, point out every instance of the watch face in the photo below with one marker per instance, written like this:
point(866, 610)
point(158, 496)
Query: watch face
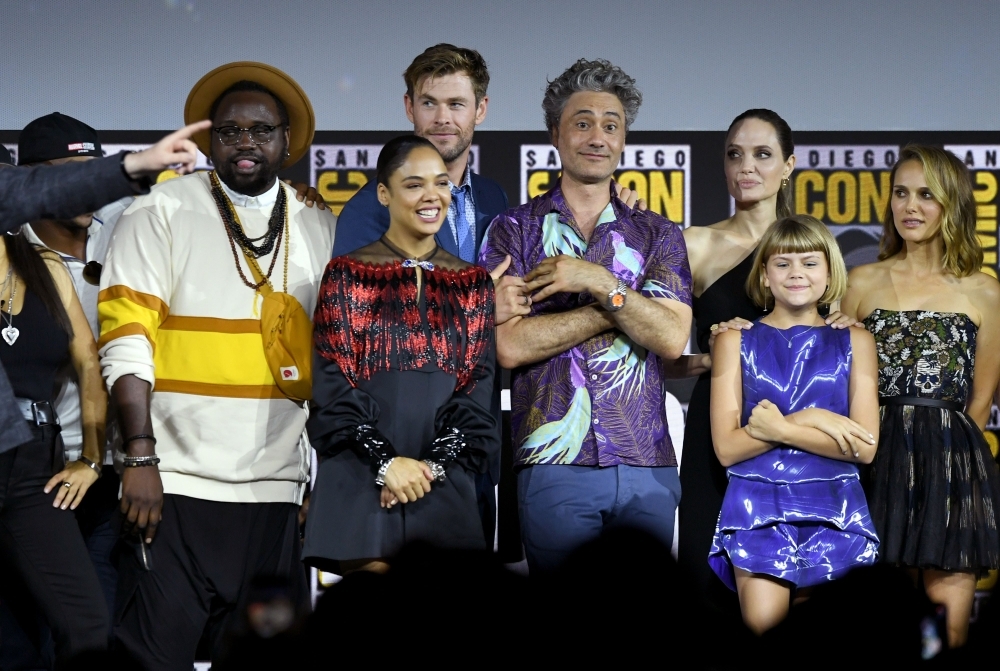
point(618, 300)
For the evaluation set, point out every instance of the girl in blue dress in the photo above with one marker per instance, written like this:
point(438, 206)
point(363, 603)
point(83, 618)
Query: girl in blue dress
point(794, 411)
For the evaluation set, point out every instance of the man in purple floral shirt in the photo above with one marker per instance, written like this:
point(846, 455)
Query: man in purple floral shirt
point(611, 295)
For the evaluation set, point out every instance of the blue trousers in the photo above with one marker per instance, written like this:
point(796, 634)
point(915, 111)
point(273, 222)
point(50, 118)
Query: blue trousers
point(563, 507)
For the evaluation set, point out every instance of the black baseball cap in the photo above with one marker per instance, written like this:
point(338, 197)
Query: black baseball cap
point(5, 156)
point(56, 136)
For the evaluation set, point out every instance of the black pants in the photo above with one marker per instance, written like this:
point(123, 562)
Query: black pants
point(45, 549)
point(195, 576)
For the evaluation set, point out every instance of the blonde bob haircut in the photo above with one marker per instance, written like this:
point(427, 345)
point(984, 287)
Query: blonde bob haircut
point(797, 234)
point(949, 182)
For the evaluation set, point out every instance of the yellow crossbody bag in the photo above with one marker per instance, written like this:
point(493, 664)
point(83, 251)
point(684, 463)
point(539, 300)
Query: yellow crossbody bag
point(286, 331)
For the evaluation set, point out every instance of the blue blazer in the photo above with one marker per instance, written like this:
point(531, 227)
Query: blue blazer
point(363, 219)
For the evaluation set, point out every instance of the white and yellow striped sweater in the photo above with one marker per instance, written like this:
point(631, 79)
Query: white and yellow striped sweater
point(175, 312)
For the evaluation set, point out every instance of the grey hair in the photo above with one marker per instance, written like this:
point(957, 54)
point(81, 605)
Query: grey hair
point(597, 75)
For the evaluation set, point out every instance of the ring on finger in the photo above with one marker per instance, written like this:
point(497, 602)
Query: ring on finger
point(67, 485)
point(527, 300)
point(714, 327)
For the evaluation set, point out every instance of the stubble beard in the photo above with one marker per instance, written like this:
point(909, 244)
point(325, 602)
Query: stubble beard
point(452, 154)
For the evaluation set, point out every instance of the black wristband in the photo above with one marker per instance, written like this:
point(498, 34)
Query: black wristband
point(138, 436)
point(143, 182)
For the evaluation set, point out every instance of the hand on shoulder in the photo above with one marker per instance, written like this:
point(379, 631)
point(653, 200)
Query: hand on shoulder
point(727, 338)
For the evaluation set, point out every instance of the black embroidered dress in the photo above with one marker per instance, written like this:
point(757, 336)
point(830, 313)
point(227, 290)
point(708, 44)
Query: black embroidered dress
point(934, 487)
point(412, 364)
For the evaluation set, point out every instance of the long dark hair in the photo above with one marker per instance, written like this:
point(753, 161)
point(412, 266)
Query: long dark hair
point(32, 270)
point(784, 133)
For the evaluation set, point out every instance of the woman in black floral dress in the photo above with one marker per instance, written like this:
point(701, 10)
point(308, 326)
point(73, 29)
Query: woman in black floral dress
point(934, 487)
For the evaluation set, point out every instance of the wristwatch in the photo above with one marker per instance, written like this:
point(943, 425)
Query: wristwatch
point(616, 299)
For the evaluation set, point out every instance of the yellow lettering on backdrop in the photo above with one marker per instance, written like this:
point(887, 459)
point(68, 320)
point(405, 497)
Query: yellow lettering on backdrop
point(337, 198)
point(842, 211)
point(667, 201)
point(807, 182)
point(872, 198)
point(635, 180)
point(538, 183)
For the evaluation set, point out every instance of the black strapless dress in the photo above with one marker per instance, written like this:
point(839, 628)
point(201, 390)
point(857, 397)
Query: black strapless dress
point(703, 478)
point(934, 487)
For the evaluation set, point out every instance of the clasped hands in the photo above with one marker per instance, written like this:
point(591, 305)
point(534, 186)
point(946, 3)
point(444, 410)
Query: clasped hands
point(766, 423)
point(406, 480)
point(515, 295)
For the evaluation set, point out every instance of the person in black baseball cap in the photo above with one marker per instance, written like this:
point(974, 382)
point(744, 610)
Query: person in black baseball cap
point(54, 139)
point(56, 136)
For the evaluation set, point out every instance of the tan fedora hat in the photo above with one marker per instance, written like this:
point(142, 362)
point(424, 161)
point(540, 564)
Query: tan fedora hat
point(301, 119)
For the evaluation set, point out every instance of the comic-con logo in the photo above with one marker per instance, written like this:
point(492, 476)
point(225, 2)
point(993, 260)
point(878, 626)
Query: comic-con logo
point(338, 171)
point(846, 187)
point(981, 160)
point(659, 173)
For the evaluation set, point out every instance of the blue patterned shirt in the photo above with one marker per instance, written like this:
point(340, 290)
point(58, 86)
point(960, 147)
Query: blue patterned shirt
point(462, 212)
point(600, 403)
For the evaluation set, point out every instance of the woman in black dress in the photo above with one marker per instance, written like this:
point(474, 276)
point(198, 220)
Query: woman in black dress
point(758, 162)
point(934, 487)
point(402, 381)
point(43, 328)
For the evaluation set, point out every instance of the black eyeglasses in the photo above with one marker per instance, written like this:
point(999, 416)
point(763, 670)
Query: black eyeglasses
point(230, 135)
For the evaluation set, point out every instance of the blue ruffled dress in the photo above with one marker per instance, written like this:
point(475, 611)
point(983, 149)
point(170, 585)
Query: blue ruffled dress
point(788, 513)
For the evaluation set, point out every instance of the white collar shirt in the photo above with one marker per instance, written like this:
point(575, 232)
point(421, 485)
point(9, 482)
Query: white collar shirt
point(264, 201)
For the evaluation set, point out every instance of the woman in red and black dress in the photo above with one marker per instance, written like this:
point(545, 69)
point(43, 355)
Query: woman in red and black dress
point(402, 381)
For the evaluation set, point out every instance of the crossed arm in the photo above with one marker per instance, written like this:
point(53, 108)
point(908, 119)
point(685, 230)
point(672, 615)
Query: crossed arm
point(815, 430)
point(660, 325)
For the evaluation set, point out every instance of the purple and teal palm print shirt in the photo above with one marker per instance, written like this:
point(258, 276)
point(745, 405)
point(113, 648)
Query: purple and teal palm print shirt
point(600, 403)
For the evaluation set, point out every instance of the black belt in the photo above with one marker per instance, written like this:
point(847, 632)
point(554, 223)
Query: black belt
point(39, 413)
point(917, 400)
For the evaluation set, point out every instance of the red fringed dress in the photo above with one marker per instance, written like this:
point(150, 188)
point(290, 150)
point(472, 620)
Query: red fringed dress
point(409, 364)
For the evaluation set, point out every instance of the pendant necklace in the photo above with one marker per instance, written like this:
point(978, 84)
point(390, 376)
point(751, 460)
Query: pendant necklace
point(789, 340)
point(424, 263)
point(10, 333)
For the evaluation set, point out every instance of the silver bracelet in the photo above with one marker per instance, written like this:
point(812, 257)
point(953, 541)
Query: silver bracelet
point(380, 478)
point(91, 465)
point(136, 462)
point(437, 470)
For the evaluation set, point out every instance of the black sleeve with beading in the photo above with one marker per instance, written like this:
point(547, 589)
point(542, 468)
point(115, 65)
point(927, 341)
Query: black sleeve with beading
point(466, 429)
point(344, 417)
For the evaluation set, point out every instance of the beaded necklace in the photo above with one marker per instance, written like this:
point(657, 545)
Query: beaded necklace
point(278, 223)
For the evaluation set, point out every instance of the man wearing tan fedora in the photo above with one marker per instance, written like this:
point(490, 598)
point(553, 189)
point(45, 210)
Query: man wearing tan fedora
point(213, 466)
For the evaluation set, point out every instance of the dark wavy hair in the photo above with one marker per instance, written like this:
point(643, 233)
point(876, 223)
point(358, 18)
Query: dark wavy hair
point(33, 271)
point(785, 142)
